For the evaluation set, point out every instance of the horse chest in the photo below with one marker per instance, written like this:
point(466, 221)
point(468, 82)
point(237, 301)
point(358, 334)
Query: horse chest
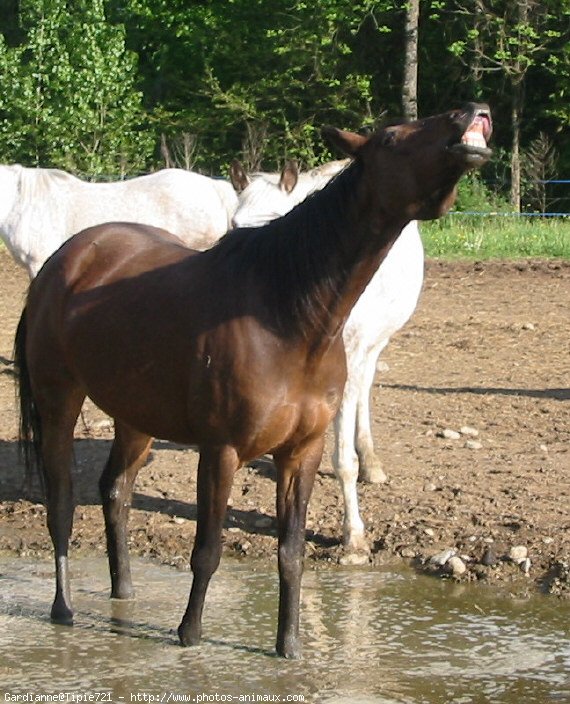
point(260, 397)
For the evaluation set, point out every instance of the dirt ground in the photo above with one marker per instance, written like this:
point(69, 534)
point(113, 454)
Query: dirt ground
point(488, 348)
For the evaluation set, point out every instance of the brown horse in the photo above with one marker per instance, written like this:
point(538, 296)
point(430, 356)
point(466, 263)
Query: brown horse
point(237, 350)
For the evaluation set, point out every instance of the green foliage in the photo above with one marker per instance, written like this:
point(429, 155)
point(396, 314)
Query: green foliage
point(284, 66)
point(70, 98)
point(94, 86)
point(473, 195)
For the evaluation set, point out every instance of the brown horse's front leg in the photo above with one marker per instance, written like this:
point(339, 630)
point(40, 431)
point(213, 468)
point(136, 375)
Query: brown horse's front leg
point(128, 454)
point(216, 471)
point(295, 478)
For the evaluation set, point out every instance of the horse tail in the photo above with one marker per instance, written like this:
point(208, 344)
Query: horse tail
point(30, 434)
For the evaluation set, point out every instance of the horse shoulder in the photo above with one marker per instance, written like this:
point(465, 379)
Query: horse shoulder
point(323, 391)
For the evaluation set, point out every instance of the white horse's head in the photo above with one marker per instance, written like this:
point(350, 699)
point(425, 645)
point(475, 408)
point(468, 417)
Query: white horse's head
point(264, 197)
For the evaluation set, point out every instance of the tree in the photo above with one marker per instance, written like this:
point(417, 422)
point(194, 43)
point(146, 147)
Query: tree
point(538, 166)
point(94, 85)
point(510, 38)
point(71, 99)
point(227, 71)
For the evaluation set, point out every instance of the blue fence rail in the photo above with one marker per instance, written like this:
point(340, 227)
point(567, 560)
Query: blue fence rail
point(509, 214)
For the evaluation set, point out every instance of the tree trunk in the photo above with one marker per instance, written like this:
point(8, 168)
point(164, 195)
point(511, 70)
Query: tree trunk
point(410, 82)
point(515, 148)
point(520, 69)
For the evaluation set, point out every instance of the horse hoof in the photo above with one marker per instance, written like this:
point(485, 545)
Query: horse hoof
point(372, 474)
point(289, 654)
point(355, 558)
point(355, 550)
point(289, 650)
point(187, 638)
point(61, 617)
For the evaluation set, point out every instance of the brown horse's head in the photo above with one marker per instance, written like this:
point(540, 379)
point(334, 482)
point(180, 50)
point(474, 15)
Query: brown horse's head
point(413, 168)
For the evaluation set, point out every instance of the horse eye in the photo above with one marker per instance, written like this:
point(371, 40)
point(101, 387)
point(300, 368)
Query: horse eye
point(388, 138)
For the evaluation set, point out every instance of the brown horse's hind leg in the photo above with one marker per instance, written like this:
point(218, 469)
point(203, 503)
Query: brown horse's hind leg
point(128, 454)
point(295, 479)
point(58, 422)
point(216, 471)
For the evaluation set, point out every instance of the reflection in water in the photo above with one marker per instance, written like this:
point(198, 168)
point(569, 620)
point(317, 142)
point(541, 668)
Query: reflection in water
point(369, 636)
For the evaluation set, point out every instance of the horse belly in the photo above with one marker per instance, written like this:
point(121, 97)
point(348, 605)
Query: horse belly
point(157, 409)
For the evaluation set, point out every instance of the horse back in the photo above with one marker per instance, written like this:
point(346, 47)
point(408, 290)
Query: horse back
point(113, 250)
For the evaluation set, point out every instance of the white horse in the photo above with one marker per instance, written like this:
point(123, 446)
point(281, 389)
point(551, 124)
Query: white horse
point(385, 306)
point(41, 208)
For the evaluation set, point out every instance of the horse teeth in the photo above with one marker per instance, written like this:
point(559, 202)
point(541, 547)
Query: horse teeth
point(474, 139)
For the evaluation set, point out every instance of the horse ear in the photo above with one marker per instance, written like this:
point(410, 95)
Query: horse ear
point(238, 177)
point(347, 142)
point(289, 176)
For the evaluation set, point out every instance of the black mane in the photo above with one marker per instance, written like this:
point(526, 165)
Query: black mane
point(297, 260)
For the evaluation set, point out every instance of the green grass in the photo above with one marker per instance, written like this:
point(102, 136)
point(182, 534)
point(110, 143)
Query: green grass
point(496, 236)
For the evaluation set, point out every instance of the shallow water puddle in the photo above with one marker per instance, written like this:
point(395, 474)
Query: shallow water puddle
point(369, 636)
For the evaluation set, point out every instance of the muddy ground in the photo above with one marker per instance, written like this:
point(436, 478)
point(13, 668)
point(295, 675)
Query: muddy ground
point(488, 348)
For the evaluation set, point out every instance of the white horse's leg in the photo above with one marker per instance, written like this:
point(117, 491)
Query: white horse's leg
point(370, 466)
point(345, 463)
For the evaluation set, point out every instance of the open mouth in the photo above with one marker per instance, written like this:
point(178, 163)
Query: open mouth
point(473, 144)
